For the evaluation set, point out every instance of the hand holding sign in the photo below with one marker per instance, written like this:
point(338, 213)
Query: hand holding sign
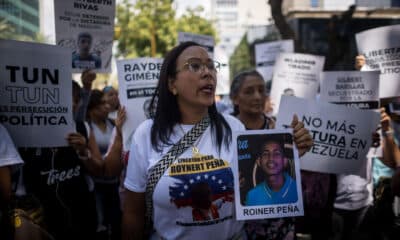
point(301, 135)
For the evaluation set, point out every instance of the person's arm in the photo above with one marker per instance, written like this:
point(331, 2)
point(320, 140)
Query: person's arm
point(133, 218)
point(396, 181)
point(391, 152)
point(112, 160)
point(88, 152)
point(301, 135)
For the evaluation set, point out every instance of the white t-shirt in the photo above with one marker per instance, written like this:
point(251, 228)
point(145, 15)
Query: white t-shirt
point(178, 215)
point(8, 153)
point(355, 191)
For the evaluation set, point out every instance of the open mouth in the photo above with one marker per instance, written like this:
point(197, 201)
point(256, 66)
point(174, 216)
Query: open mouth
point(209, 88)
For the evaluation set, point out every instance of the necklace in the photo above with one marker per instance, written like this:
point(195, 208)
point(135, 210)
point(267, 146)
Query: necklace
point(195, 150)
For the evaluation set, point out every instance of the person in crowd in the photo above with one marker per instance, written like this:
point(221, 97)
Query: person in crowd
point(184, 98)
point(56, 177)
point(279, 187)
point(9, 160)
point(106, 187)
point(111, 97)
point(359, 62)
point(87, 79)
point(84, 58)
point(354, 213)
point(248, 93)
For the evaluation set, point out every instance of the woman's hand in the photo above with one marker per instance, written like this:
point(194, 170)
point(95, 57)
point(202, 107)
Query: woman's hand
point(120, 120)
point(301, 135)
point(78, 142)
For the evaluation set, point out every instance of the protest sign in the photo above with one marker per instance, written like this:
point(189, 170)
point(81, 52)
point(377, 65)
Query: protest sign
point(265, 157)
point(86, 28)
point(351, 88)
point(342, 135)
point(137, 81)
point(381, 48)
point(266, 53)
point(295, 75)
point(36, 93)
point(205, 41)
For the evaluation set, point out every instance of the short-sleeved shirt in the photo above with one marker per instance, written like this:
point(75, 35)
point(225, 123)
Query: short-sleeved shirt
point(194, 199)
point(9, 155)
point(263, 195)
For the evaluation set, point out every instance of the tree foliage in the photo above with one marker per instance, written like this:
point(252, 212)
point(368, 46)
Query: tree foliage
point(192, 22)
point(8, 32)
point(149, 27)
point(241, 58)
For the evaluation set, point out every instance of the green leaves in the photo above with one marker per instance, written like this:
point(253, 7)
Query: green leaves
point(149, 28)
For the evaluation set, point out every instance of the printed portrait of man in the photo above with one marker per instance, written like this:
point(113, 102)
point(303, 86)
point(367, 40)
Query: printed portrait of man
point(278, 186)
point(83, 58)
point(288, 92)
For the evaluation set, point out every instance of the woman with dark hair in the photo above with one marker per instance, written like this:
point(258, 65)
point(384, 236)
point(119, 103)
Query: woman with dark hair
point(106, 187)
point(248, 95)
point(183, 105)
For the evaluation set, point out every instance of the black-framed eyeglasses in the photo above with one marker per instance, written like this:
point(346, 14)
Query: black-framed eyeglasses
point(195, 65)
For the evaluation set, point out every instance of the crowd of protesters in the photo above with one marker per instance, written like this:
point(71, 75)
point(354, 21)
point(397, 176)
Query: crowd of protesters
point(82, 191)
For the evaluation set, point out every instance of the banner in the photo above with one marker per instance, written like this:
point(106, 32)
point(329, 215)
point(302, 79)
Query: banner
point(342, 135)
point(297, 75)
point(381, 48)
point(137, 81)
point(86, 28)
point(266, 53)
point(267, 175)
point(351, 88)
point(36, 93)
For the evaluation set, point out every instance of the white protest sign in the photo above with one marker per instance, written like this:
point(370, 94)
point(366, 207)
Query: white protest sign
point(381, 47)
point(354, 89)
point(36, 93)
point(265, 157)
point(351, 88)
point(266, 53)
point(297, 75)
point(137, 81)
point(342, 135)
point(206, 41)
point(86, 28)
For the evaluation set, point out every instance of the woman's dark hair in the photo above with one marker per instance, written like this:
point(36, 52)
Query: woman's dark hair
point(95, 99)
point(237, 83)
point(165, 110)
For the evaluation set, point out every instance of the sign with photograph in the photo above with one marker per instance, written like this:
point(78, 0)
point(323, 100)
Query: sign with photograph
point(297, 75)
point(267, 175)
point(137, 81)
point(36, 93)
point(342, 136)
point(86, 28)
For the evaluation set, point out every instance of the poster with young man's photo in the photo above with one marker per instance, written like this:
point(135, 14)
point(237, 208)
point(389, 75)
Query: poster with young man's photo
point(87, 29)
point(267, 175)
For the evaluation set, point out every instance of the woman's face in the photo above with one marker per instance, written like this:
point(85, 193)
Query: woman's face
point(194, 89)
point(251, 96)
point(101, 110)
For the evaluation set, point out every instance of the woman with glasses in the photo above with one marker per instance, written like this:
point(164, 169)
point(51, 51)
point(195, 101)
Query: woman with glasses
point(184, 99)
